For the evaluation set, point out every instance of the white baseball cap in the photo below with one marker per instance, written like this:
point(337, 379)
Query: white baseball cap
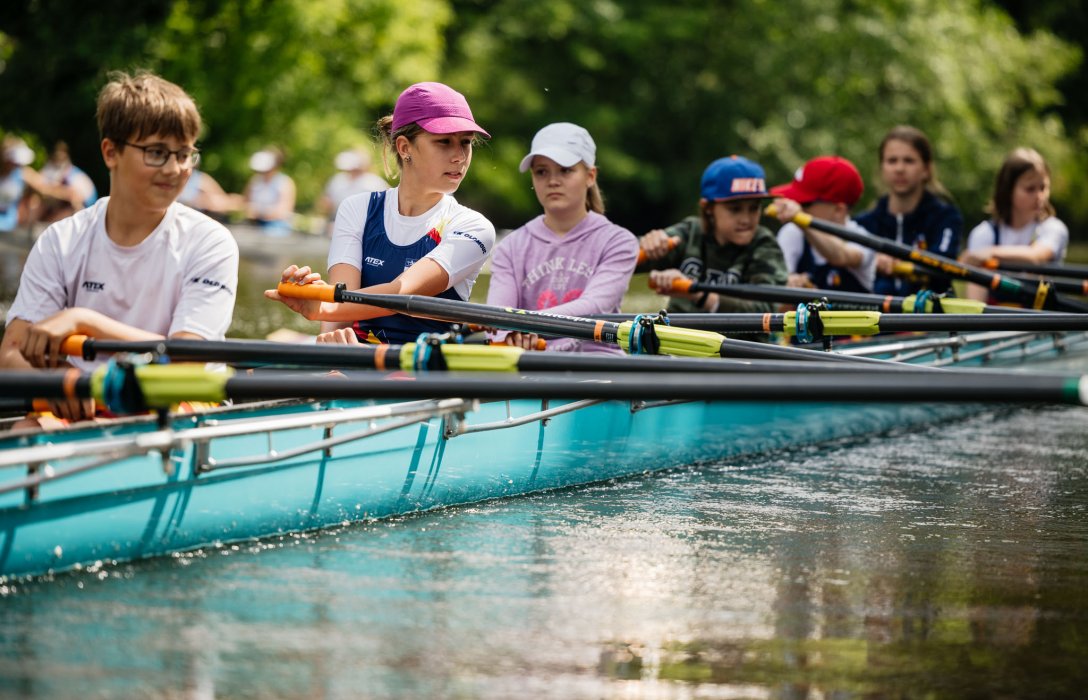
point(352, 160)
point(262, 161)
point(20, 154)
point(563, 142)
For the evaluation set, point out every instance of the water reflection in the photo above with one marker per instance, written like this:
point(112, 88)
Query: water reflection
point(947, 563)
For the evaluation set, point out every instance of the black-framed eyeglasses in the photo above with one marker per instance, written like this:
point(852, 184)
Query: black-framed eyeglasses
point(155, 156)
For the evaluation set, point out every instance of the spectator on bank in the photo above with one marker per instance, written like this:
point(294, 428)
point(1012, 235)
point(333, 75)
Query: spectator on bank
point(354, 176)
point(67, 189)
point(205, 195)
point(270, 193)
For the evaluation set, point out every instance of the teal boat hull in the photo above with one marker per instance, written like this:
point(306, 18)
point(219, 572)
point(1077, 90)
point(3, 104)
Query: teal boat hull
point(240, 487)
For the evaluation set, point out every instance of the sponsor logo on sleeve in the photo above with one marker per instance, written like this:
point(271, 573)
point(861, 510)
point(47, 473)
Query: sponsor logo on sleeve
point(474, 239)
point(213, 285)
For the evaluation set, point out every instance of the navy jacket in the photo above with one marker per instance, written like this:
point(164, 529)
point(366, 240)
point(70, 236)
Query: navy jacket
point(935, 225)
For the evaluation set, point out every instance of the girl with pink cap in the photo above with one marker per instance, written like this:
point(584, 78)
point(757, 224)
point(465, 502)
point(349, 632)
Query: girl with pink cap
point(412, 239)
point(571, 259)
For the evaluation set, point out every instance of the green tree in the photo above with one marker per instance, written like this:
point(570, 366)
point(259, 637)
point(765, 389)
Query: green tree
point(311, 77)
point(667, 88)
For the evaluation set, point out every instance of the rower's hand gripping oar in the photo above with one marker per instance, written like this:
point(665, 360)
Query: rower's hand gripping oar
point(1038, 295)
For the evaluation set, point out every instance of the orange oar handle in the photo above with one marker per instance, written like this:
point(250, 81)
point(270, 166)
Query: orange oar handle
point(680, 286)
point(318, 292)
point(73, 345)
point(673, 242)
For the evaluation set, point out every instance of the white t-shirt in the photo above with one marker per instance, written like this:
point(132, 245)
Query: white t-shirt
point(791, 239)
point(183, 277)
point(467, 237)
point(1050, 232)
point(343, 185)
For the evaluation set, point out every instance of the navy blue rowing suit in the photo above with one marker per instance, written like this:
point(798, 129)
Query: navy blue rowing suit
point(384, 261)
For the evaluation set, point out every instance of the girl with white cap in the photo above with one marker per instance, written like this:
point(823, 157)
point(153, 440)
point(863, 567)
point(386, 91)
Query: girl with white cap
point(412, 239)
point(571, 259)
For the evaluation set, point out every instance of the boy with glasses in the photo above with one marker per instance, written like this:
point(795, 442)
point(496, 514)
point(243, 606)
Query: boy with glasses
point(136, 265)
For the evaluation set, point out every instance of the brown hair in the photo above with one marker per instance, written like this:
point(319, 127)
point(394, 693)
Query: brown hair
point(594, 199)
point(1020, 161)
point(140, 105)
point(919, 142)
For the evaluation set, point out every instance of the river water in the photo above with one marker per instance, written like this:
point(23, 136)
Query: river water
point(949, 562)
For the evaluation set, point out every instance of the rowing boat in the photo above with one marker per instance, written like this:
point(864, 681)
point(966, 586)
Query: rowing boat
point(149, 486)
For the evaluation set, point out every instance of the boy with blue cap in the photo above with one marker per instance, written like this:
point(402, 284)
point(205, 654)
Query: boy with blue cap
point(725, 244)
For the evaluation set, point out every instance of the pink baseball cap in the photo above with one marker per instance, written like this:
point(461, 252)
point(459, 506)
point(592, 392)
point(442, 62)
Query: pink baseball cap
point(824, 179)
point(437, 108)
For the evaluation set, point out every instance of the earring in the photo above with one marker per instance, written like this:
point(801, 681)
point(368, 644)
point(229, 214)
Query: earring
point(407, 159)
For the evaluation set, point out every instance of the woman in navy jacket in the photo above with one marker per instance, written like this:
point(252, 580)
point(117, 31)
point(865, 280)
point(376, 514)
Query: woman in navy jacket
point(917, 210)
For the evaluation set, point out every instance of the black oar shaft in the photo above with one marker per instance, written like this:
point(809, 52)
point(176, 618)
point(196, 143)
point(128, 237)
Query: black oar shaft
point(243, 353)
point(1051, 269)
point(824, 387)
point(827, 388)
point(484, 315)
point(840, 300)
point(895, 323)
point(653, 364)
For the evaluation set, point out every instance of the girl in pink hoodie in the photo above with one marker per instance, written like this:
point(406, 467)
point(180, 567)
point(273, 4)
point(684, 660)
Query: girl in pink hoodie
point(570, 260)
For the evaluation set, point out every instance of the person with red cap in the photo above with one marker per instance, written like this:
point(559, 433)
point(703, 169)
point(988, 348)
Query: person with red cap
point(725, 244)
point(412, 239)
point(826, 188)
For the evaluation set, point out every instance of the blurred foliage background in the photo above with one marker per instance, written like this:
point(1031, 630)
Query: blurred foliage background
point(663, 87)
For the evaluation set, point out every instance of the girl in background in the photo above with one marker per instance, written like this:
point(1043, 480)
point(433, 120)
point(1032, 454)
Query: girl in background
point(571, 259)
point(917, 210)
point(1024, 227)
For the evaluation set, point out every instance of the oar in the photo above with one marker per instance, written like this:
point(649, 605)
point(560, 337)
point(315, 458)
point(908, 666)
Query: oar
point(1036, 294)
point(1058, 284)
point(133, 389)
point(866, 323)
point(1050, 269)
point(411, 357)
point(683, 342)
point(852, 301)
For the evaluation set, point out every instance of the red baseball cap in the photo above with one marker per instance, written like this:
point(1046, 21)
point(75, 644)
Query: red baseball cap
point(824, 179)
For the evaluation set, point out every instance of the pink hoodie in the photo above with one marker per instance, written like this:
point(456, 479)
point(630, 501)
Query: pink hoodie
point(584, 272)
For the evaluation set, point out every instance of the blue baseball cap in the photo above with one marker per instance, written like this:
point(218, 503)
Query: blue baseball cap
point(734, 177)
